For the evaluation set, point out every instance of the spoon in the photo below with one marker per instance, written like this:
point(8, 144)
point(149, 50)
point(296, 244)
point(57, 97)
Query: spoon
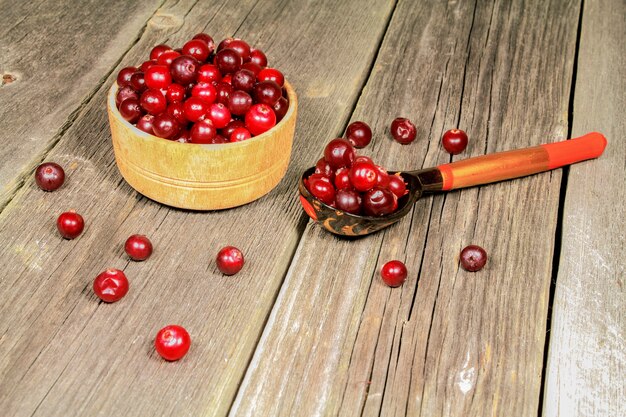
point(460, 174)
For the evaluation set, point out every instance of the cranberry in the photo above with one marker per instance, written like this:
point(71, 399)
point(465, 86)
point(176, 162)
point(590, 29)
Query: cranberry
point(130, 110)
point(271, 74)
point(146, 123)
point(207, 39)
point(165, 126)
point(70, 224)
point(382, 178)
point(138, 247)
point(198, 49)
point(49, 176)
point(342, 179)
point(239, 102)
point(339, 153)
point(175, 93)
point(240, 134)
point(280, 108)
point(267, 92)
point(403, 130)
point(228, 78)
point(184, 69)
point(324, 168)
point(111, 285)
point(348, 201)
point(209, 73)
point(260, 118)
point(124, 93)
point(241, 47)
point(158, 76)
point(156, 52)
point(229, 260)
point(223, 92)
point(204, 91)
point(219, 115)
point(394, 273)
point(184, 136)
point(153, 101)
point(203, 132)
point(228, 61)
point(123, 77)
point(172, 342)
point(397, 185)
point(258, 57)
point(219, 139)
point(224, 44)
point(363, 176)
point(177, 111)
point(195, 109)
point(473, 258)
point(231, 126)
point(167, 57)
point(363, 158)
point(252, 67)
point(379, 202)
point(454, 141)
point(138, 82)
point(321, 188)
point(243, 80)
point(359, 134)
point(147, 64)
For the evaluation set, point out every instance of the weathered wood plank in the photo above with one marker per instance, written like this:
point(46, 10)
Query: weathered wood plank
point(63, 353)
point(448, 342)
point(58, 56)
point(587, 354)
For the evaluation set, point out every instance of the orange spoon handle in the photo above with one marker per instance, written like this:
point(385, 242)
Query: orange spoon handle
point(519, 163)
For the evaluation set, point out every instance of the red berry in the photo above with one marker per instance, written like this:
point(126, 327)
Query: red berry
point(252, 67)
point(359, 134)
point(363, 176)
point(209, 73)
point(175, 93)
point(394, 273)
point(167, 57)
point(454, 141)
point(224, 44)
point(195, 109)
point(219, 115)
point(123, 77)
point(49, 176)
point(172, 342)
point(241, 47)
point(124, 93)
point(229, 260)
point(342, 179)
point(379, 202)
point(321, 188)
point(156, 52)
point(473, 258)
point(158, 77)
point(146, 123)
point(184, 69)
point(218, 139)
point(111, 285)
point(231, 126)
point(165, 126)
point(207, 39)
point(228, 61)
point(397, 185)
point(324, 168)
point(403, 130)
point(267, 92)
point(70, 224)
point(183, 137)
point(271, 74)
point(280, 108)
point(348, 201)
point(138, 82)
point(239, 102)
point(147, 64)
point(198, 49)
point(363, 158)
point(382, 178)
point(240, 134)
point(260, 118)
point(258, 57)
point(339, 153)
point(138, 247)
point(203, 132)
point(223, 92)
point(243, 80)
point(205, 91)
point(153, 101)
point(177, 111)
point(130, 110)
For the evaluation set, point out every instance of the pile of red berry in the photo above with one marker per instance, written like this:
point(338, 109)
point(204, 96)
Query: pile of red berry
point(203, 94)
point(354, 184)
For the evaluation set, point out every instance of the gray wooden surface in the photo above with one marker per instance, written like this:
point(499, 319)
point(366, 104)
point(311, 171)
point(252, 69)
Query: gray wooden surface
point(308, 328)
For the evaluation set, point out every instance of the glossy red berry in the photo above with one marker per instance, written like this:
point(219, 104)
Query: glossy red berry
point(111, 285)
point(267, 92)
point(241, 47)
point(147, 64)
point(124, 93)
point(153, 101)
point(209, 73)
point(359, 134)
point(183, 137)
point(348, 201)
point(363, 158)
point(403, 130)
point(339, 153)
point(146, 123)
point(363, 176)
point(240, 134)
point(198, 49)
point(172, 342)
point(239, 102)
point(123, 77)
point(258, 57)
point(158, 77)
point(379, 202)
point(177, 111)
point(205, 91)
point(223, 92)
point(382, 177)
point(271, 74)
point(203, 132)
point(260, 118)
point(228, 61)
point(207, 39)
point(130, 110)
point(184, 69)
point(70, 224)
point(156, 52)
point(195, 109)
point(243, 80)
point(175, 93)
point(224, 43)
point(473, 258)
point(342, 179)
point(394, 273)
point(321, 188)
point(397, 185)
point(252, 67)
point(138, 247)
point(138, 82)
point(231, 126)
point(280, 108)
point(219, 115)
point(229, 260)
point(454, 141)
point(49, 176)
point(324, 168)
point(165, 126)
point(167, 57)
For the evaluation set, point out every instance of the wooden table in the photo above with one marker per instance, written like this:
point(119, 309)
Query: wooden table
point(308, 328)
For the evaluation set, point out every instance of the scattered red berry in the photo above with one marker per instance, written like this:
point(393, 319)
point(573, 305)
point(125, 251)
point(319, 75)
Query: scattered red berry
point(70, 224)
point(454, 141)
point(172, 342)
point(359, 134)
point(473, 258)
point(393, 273)
point(403, 130)
point(138, 247)
point(49, 176)
point(339, 153)
point(229, 260)
point(111, 285)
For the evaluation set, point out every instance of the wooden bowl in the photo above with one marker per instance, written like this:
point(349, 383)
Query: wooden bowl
point(202, 177)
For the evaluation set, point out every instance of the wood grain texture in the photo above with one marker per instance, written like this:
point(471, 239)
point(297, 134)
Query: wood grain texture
point(62, 352)
point(448, 342)
point(586, 368)
point(58, 56)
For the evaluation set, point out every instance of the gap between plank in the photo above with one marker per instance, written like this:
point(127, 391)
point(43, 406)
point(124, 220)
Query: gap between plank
point(558, 234)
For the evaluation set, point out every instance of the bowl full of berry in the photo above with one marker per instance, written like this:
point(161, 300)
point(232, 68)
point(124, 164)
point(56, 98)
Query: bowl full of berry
point(203, 127)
